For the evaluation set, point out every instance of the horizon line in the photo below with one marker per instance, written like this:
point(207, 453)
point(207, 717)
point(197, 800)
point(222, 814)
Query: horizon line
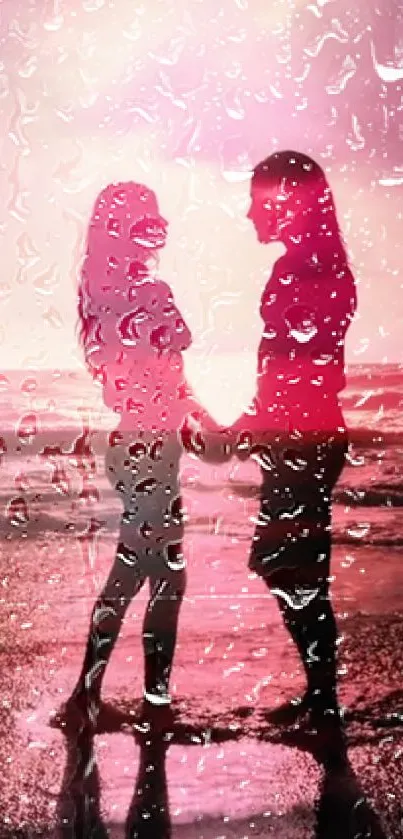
point(83, 369)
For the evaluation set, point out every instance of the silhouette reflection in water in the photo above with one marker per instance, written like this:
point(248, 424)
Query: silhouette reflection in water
point(342, 810)
point(79, 810)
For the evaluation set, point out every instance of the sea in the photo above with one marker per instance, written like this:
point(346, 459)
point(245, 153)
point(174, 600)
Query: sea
point(46, 415)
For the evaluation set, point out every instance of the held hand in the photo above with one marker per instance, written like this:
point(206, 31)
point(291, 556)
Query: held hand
point(191, 435)
point(249, 446)
point(205, 439)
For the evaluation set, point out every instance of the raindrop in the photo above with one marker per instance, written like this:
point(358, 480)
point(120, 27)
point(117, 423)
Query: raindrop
point(244, 441)
point(156, 449)
point(176, 510)
point(347, 70)
point(29, 385)
point(160, 337)
point(134, 407)
point(263, 458)
point(137, 272)
point(294, 460)
point(27, 428)
point(299, 599)
point(53, 317)
point(17, 511)
point(120, 384)
point(145, 529)
point(47, 282)
point(51, 451)
point(115, 439)
point(174, 557)
point(270, 332)
point(127, 556)
point(21, 482)
point(147, 486)
point(93, 5)
point(233, 107)
point(3, 448)
point(301, 324)
point(113, 227)
point(359, 530)
point(305, 333)
point(292, 514)
point(386, 72)
point(126, 328)
point(137, 450)
point(322, 359)
point(359, 460)
point(89, 494)
point(60, 480)
point(148, 233)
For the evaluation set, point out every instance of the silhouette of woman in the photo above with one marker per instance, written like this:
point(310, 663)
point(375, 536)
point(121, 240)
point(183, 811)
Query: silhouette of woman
point(296, 428)
point(133, 338)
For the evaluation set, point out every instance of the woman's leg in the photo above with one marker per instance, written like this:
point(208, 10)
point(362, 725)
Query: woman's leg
point(124, 581)
point(159, 633)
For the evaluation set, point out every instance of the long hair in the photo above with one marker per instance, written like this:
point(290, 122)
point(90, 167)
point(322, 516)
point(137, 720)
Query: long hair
point(117, 252)
point(304, 201)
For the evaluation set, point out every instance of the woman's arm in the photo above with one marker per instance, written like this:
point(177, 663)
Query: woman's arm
point(202, 436)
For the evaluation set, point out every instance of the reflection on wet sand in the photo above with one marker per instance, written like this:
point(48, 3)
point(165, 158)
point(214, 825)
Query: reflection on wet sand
point(79, 811)
point(342, 810)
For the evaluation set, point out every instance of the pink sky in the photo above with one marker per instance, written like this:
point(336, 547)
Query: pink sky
point(180, 96)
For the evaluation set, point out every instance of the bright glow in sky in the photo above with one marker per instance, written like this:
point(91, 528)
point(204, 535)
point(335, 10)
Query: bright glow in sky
point(179, 96)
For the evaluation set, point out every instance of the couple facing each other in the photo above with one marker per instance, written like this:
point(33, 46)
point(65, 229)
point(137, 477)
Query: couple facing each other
point(133, 338)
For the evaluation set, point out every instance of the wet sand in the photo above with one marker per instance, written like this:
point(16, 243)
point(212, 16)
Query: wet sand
point(227, 772)
point(233, 774)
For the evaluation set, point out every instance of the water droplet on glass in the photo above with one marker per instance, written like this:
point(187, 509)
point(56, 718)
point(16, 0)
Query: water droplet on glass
point(269, 332)
point(17, 511)
point(21, 482)
point(3, 448)
point(60, 480)
point(147, 486)
point(174, 557)
point(47, 282)
point(29, 385)
point(127, 331)
point(137, 450)
point(294, 460)
point(359, 530)
point(156, 449)
point(27, 428)
point(127, 556)
point(134, 407)
point(160, 337)
point(145, 529)
point(113, 227)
